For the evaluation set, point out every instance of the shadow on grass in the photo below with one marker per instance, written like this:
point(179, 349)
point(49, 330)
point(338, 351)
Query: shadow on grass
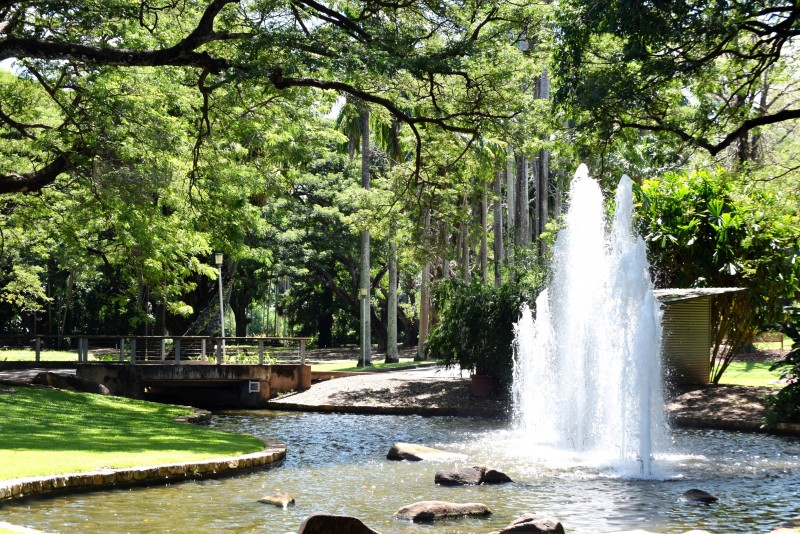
point(37, 419)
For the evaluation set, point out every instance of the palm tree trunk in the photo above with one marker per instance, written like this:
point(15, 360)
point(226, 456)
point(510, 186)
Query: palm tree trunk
point(497, 212)
point(366, 327)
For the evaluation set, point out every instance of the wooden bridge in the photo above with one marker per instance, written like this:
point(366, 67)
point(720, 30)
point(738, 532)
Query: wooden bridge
point(203, 371)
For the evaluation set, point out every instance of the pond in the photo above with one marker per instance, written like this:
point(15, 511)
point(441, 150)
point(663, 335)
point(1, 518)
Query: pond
point(337, 464)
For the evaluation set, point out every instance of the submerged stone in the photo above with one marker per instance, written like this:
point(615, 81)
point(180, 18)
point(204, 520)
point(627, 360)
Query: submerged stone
point(416, 453)
point(278, 499)
point(696, 495)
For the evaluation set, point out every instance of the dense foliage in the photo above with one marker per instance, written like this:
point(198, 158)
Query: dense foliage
point(137, 139)
point(704, 229)
point(476, 327)
point(709, 75)
point(785, 406)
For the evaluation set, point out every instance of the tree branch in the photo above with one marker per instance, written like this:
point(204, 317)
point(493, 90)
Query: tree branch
point(33, 181)
point(182, 54)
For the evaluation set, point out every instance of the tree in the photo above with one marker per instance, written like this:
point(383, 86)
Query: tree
point(397, 56)
point(690, 72)
point(705, 230)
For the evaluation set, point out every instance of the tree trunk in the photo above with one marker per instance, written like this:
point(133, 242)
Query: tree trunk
point(445, 246)
point(484, 234)
point(424, 311)
point(392, 355)
point(511, 204)
point(366, 305)
point(239, 310)
point(522, 230)
point(424, 295)
point(62, 324)
point(542, 176)
point(464, 242)
point(497, 212)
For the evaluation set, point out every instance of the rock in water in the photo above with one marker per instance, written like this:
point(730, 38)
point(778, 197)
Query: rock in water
point(493, 476)
point(477, 474)
point(428, 511)
point(696, 495)
point(415, 453)
point(333, 524)
point(466, 476)
point(278, 499)
point(535, 524)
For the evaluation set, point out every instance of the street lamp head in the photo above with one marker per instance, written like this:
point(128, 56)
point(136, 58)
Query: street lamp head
point(218, 258)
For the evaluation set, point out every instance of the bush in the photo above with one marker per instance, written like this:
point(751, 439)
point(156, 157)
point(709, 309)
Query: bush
point(475, 329)
point(785, 406)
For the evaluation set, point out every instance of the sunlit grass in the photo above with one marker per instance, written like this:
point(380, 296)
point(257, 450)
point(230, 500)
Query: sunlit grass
point(756, 374)
point(25, 355)
point(45, 432)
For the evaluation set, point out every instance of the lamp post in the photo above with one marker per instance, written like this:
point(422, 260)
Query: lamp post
point(218, 259)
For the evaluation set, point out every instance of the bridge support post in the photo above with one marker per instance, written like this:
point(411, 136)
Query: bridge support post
point(260, 352)
point(302, 352)
point(38, 348)
point(177, 352)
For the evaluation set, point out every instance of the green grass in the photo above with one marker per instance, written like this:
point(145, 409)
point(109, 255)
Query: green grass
point(750, 374)
point(15, 355)
point(348, 366)
point(46, 432)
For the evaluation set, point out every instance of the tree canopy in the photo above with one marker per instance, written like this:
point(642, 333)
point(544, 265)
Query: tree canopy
point(449, 66)
point(704, 74)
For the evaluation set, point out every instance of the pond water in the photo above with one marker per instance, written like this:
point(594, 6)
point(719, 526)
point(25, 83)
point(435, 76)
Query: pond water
point(337, 464)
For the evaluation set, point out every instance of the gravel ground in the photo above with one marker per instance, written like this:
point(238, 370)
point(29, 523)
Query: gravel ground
point(427, 391)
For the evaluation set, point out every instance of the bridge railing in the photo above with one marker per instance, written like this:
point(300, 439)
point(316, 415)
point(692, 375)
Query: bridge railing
point(174, 349)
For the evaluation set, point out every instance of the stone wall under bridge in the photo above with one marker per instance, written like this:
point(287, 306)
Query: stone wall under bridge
point(205, 385)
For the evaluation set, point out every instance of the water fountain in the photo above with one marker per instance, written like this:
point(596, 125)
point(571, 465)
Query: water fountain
point(587, 370)
point(595, 400)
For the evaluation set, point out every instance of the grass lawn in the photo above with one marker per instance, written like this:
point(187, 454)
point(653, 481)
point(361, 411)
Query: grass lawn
point(46, 432)
point(24, 355)
point(750, 374)
point(347, 366)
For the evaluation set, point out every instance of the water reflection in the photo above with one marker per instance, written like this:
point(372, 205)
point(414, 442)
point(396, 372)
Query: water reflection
point(336, 464)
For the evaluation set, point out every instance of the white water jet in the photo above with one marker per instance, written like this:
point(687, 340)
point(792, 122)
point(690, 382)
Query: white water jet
point(587, 370)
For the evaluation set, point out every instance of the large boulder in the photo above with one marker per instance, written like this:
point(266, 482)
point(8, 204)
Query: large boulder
point(534, 523)
point(333, 524)
point(70, 382)
point(466, 476)
point(428, 511)
point(415, 453)
point(698, 496)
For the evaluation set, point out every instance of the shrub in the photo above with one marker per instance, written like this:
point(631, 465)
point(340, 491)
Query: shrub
point(475, 329)
point(785, 406)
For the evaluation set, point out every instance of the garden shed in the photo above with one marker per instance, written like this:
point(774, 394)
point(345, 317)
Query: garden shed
point(686, 336)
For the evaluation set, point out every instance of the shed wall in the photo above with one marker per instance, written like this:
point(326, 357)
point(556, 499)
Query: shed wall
point(686, 341)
